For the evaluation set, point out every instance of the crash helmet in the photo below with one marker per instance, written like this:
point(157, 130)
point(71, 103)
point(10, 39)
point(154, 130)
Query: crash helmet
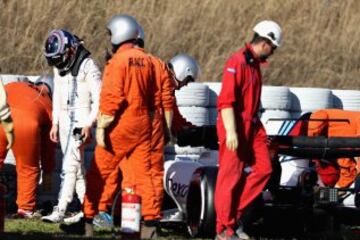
point(184, 67)
point(141, 37)
point(269, 30)
point(122, 28)
point(60, 49)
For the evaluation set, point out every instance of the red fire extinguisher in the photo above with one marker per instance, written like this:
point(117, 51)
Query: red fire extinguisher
point(2, 207)
point(130, 213)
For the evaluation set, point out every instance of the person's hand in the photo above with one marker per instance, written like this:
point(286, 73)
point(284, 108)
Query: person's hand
point(100, 137)
point(231, 140)
point(86, 134)
point(54, 133)
point(47, 182)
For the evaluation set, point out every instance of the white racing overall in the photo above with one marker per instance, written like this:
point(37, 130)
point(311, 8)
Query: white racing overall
point(75, 105)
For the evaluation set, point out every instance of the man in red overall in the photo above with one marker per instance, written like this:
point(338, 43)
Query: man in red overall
point(242, 137)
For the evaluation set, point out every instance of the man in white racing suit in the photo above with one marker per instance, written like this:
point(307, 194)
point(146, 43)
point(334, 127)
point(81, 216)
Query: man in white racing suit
point(77, 85)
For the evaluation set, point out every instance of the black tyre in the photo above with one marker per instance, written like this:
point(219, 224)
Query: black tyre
point(201, 217)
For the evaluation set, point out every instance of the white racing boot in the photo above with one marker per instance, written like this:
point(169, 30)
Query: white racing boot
point(55, 217)
point(240, 232)
point(74, 219)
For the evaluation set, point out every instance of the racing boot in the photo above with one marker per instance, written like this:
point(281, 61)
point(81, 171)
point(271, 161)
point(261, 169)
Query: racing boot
point(240, 231)
point(223, 236)
point(55, 217)
point(73, 219)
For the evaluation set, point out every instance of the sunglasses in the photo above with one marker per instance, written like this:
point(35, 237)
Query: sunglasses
point(273, 47)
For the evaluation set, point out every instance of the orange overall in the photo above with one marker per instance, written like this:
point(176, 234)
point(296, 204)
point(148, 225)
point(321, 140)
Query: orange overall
point(128, 94)
point(31, 114)
point(164, 100)
point(343, 173)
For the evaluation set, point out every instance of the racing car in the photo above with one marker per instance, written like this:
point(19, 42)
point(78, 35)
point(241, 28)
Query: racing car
point(190, 185)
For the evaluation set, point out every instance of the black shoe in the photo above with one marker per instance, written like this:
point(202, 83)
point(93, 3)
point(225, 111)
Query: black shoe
point(77, 228)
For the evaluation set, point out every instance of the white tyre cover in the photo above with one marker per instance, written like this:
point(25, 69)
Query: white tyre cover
point(198, 116)
point(214, 91)
point(310, 99)
point(33, 78)
point(7, 78)
point(347, 99)
point(275, 98)
point(188, 150)
point(291, 170)
point(271, 120)
point(213, 112)
point(194, 94)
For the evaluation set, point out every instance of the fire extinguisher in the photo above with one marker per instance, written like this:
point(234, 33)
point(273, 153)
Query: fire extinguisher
point(2, 207)
point(130, 213)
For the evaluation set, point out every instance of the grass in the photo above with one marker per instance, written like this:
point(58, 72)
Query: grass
point(27, 229)
point(320, 46)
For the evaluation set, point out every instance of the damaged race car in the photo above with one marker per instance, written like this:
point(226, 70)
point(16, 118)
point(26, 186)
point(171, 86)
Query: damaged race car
point(296, 182)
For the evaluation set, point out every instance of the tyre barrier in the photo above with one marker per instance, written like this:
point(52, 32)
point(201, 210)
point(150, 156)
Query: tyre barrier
point(8, 78)
point(275, 98)
point(214, 91)
point(346, 99)
point(310, 99)
point(198, 116)
point(194, 94)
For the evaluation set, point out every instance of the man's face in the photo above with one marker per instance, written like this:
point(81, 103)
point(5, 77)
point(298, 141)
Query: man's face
point(267, 49)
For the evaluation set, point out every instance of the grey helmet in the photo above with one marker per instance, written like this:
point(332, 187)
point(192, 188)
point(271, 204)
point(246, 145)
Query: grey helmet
point(48, 80)
point(122, 28)
point(184, 66)
point(140, 41)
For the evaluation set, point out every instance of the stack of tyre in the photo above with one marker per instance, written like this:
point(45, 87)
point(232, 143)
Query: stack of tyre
point(193, 102)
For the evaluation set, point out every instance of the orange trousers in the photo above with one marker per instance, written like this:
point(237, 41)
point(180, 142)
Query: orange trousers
point(130, 140)
point(156, 169)
point(27, 154)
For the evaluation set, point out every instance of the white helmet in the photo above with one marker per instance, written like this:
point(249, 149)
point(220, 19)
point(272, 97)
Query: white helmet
point(183, 66)
point(122, 28)
point(48, 80)
point(270, 30)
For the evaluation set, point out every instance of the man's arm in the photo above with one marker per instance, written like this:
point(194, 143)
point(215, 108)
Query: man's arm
point(5, 117)
point(93, 78)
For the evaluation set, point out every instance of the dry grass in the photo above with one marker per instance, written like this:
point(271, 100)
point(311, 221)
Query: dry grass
point(320, 46)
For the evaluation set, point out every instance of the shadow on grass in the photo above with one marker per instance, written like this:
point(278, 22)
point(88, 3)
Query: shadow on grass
point(48, 236)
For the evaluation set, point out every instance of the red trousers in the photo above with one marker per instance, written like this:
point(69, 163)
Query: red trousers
point(235, 191)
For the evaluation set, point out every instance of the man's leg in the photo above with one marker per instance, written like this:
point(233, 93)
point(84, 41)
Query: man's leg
point(226, 194)
point(260, 172)
point(157, 162)
point(27, 154)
